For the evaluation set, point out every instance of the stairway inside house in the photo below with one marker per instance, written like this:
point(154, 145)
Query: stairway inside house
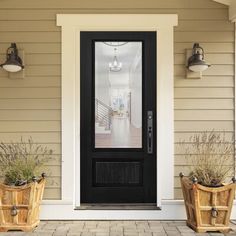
point(103, 116)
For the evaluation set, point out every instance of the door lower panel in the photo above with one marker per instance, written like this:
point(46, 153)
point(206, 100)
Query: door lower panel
point(117, 173)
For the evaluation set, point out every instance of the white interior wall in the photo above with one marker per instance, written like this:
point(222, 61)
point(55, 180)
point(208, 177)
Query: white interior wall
point(136, 90)
point(102, 85)
point(102, 93)
point(119, 82)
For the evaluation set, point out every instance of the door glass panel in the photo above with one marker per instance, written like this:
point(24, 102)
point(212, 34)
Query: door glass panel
point(118, 94)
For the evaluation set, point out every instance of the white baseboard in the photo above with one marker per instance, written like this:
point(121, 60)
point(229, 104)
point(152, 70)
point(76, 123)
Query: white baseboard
point(64, 210)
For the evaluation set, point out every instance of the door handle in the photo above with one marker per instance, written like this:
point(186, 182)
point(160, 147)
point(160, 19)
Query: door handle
point(150, 132)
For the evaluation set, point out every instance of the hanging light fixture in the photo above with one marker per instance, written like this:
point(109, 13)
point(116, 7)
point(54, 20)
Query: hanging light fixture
point(13, 61)
point(196, 62)
point(115, 43)
point(115, 66)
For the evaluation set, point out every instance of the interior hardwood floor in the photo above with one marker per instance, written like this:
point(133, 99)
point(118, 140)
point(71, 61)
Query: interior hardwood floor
point(123, 135)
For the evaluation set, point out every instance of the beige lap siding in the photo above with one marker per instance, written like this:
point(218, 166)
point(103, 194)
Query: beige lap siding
point(31, 107)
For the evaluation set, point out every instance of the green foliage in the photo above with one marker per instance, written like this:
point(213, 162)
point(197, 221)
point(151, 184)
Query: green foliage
point(21, 161)
point(210, 157)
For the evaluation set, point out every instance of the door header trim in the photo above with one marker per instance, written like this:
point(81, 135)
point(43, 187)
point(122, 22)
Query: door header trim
point(72, 24)
point(116, 21)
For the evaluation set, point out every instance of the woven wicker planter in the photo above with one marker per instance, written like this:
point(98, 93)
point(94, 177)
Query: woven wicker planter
point(20, 206)
point(208, 209)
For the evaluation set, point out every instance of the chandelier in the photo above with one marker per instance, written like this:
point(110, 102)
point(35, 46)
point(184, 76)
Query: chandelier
point(115, 43)
point(115, 65)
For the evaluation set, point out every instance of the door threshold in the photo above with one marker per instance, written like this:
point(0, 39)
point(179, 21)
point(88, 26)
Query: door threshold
point(118, 206)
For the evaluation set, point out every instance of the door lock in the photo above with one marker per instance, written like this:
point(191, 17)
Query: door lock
point(150, 132)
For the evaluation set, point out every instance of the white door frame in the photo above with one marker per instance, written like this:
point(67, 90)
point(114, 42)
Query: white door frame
point(71, 25)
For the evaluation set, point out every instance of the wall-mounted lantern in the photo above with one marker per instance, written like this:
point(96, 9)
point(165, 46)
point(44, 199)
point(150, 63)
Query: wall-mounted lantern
point(195, 62)
point(13, 61)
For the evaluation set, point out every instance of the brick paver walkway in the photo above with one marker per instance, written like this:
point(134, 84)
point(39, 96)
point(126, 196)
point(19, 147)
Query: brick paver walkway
point(115, 228)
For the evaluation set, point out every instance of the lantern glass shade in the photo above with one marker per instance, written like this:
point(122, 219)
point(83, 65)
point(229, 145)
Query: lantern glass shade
point(12, 68)
point(196, 62)
point(198, 68)
point(13, 61)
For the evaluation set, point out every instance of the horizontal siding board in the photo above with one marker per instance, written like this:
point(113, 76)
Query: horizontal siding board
point(201, 103)
point(30, 126)
point(53, 181)
point(221, 59)
point(46, 15)
point(43, 70)
point(206, 81)
point(30, 82)
point(177, 182)
point(216, 48)
point(40, 59)
point(30, 93)
point(184, 169)
point(54, 170)
point(208, 115)
point(178, 193)
point(43, 59)
point(193, 126)
point(35, 48)
point(31, 37)
point(204, 37)
point(93, 4)
point(55, 147)
point(204, 93)
point(179, 136)
point(29, 26)
point(220, 70)
point(32, 115)
point(181, 159)
point(40, 137)
point(29, 15)
point(51, 165)
point(204, 26)
point(216, 59)
point(14, 104)
point(52, 194)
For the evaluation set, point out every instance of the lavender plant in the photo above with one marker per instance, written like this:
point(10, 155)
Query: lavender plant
point(210, 157)
point(21, 161)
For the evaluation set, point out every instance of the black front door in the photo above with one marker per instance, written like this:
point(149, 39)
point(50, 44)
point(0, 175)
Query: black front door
point(118, 117)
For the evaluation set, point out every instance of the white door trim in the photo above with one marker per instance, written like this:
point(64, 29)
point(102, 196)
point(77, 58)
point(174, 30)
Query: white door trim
point(71, 26)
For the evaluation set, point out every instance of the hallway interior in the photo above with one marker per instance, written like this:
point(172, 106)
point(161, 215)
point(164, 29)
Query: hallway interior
point(123, 134)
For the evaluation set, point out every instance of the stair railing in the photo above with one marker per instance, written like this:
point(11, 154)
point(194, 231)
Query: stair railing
point(103, 114)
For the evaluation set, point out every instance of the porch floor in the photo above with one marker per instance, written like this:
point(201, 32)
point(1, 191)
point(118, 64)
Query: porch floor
point(116, 228)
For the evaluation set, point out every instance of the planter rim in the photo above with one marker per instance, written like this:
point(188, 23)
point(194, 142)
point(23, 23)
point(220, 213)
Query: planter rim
point(207, 188)
point(25, 186)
